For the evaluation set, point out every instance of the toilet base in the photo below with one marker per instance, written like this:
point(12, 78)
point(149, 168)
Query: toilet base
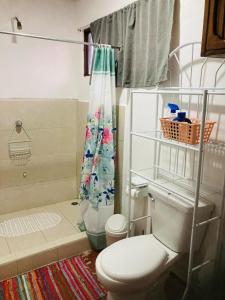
point(156, 292)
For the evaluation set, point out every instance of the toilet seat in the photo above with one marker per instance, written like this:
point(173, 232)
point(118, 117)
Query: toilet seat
point(137, 260)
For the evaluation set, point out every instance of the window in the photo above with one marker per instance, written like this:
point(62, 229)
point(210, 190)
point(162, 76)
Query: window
point(213, 38)
point(88, 52)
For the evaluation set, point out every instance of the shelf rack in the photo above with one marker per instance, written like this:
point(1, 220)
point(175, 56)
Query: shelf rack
point(203, 94)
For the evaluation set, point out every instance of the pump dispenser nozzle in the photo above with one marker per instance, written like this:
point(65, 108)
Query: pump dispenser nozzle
point(173, 107)
point(172, 110)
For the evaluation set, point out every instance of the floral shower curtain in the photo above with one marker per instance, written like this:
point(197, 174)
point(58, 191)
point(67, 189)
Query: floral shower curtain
point(98, 170)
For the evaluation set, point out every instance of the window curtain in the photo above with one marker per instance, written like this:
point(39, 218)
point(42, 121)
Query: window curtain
point(143, 31)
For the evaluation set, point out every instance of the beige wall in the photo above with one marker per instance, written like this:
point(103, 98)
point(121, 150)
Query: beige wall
point(82, 110)
point(51, 170)
point(57, 131)
point(36, 68)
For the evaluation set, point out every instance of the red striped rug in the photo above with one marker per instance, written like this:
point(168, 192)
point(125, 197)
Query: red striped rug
point(72, 278)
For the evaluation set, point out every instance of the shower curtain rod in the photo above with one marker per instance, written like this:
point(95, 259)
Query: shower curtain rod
point(40, 37)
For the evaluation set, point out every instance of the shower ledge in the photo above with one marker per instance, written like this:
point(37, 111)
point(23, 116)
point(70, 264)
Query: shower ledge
point(58, 243)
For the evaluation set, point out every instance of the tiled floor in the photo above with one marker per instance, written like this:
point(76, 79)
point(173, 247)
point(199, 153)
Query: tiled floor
point(26, 252)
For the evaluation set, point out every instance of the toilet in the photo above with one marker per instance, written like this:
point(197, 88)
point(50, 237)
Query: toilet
point(136, 268)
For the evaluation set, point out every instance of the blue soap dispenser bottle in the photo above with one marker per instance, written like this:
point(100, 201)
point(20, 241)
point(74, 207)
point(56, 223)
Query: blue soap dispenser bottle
point(181, 117)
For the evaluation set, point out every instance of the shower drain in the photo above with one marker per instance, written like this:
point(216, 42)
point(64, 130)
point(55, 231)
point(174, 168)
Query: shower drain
point(28, 224)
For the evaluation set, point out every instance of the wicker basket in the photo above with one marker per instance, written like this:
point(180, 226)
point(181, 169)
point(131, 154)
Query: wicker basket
point(185, 132)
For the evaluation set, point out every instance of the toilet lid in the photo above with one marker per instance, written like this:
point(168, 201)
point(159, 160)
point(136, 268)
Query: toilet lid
point(139, 257)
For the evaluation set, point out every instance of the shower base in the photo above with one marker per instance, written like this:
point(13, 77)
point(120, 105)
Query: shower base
point(36, 237)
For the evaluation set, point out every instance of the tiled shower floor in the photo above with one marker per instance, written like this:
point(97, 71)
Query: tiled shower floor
point(21, 253)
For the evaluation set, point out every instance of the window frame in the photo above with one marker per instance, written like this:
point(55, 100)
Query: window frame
point(87, 31)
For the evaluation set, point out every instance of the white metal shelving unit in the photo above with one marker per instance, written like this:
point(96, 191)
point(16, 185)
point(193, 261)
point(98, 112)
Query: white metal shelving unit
point(157, 175)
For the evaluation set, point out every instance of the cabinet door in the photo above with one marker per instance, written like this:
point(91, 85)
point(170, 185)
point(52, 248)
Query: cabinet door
point(213, 38)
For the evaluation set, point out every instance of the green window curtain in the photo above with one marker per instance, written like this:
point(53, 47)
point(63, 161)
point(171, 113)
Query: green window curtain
point(143, 30)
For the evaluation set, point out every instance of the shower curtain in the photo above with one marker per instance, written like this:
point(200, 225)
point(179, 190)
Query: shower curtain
point(98, 170)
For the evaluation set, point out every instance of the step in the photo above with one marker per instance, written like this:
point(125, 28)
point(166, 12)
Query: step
point(35, 237)
point(33, 258)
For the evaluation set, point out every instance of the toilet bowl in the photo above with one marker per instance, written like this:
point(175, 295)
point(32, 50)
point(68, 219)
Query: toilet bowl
point(136, 268)
point(132, 274)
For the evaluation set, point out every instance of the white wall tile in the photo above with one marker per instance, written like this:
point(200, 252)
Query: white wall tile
point(37, 194)
point(38, 113)
point(51, 170)
point(38, 169)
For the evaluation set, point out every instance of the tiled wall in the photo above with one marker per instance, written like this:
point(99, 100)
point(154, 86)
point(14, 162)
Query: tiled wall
point(51, 171)
point(57, 130)
point(82, 110)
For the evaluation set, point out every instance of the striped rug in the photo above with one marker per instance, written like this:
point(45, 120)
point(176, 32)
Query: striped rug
point(69, 279)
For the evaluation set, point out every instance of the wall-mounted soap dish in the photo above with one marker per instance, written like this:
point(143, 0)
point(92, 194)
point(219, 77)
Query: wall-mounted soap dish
point(19, 144)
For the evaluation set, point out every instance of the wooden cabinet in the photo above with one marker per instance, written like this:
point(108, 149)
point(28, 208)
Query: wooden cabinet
point(213, 38)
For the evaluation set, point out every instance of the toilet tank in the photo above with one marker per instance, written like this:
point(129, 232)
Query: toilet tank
point(172, 219)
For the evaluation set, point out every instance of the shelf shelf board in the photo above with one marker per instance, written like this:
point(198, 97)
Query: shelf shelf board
point(170, 91)
point(189, 91)
point(176, 185)
point(158, 136)
point(161, 184)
